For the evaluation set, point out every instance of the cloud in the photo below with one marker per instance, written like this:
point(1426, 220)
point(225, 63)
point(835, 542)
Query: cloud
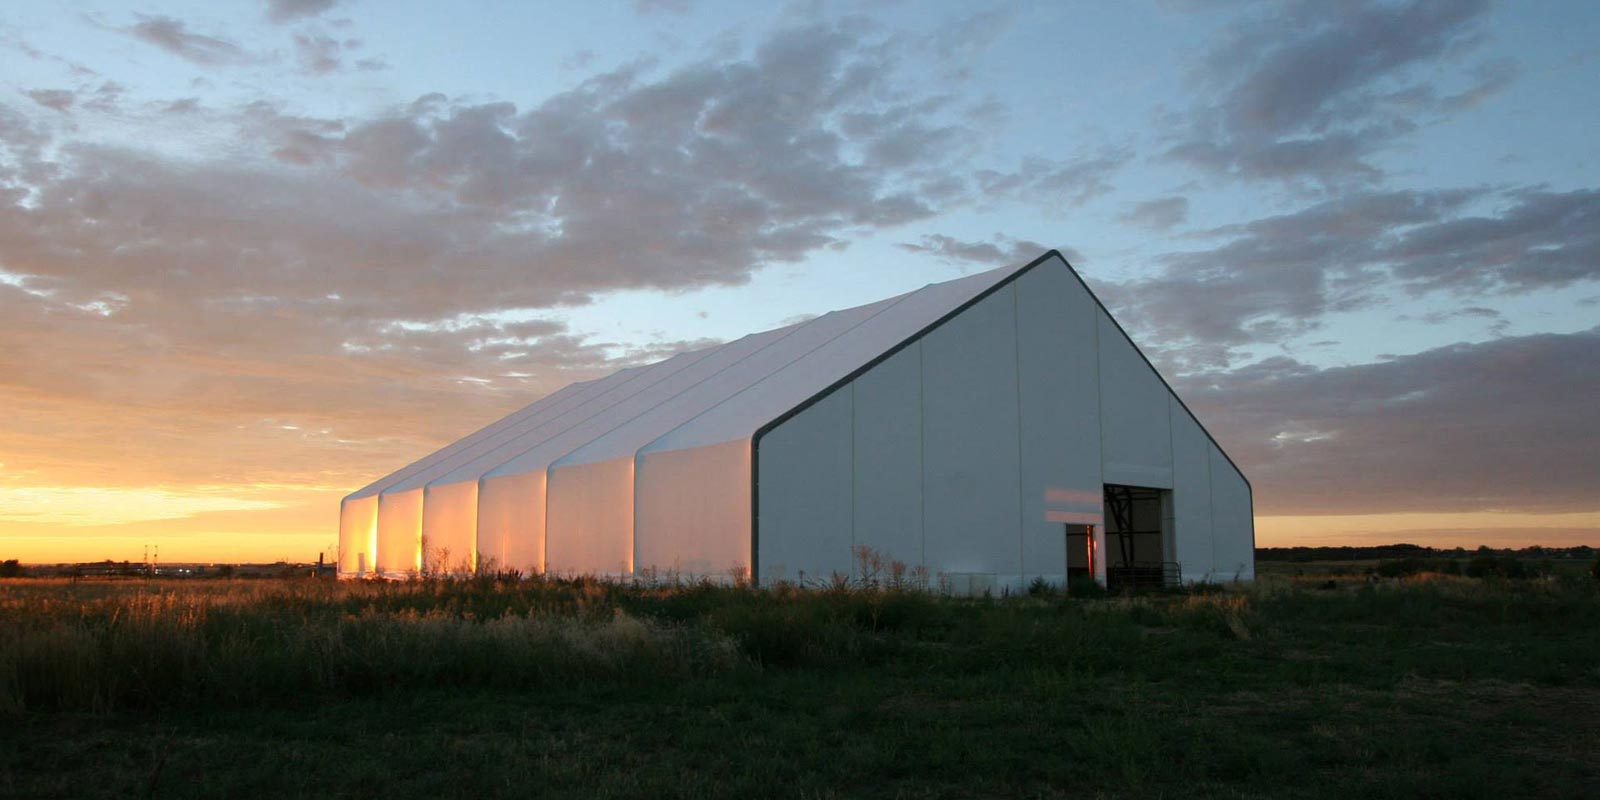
point(382, 283)
point(1270, 279)
point(1277, 277)
point(104, 98)
point(1542, 239)
point(318, 54)
point(1498, 324)
point(282, 11)
point(183, 105)
point(1493, 77)
point(54, 99)
point(1311, 90)
point(957, 45)
point(173, 35)
point(1505, 425)
point(81, 506)
point(674, 7)
point(580, 60)
point(1003, 251)
point(1072, 181)
point(1160, 214)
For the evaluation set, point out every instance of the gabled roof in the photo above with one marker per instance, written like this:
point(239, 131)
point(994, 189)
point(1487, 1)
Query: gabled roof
point(695, 398)
point(730, 392)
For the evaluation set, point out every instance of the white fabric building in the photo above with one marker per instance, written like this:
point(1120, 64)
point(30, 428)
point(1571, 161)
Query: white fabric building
point(993, 430)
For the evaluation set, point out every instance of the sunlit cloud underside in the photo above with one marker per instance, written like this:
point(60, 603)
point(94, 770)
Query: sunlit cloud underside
point(89, 506)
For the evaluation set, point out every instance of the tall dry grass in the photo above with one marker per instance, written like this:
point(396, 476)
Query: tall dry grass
point(110, 646)
point(116, 646)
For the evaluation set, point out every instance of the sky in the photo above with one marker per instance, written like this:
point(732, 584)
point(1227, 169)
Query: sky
point(254, 255)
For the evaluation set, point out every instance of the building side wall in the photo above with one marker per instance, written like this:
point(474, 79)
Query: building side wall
point(449, 528)
point(589, 519)
point(1233, 522)
point(1134, 425)
point(970, 436)
point(358, 535)
point(1191, 495)
point(970, 450)
point(886, 458)
point(400, 533)
point(1058, 374)
point(806, 494)
point(511, 521)
point(917, 459)
point(693, 512)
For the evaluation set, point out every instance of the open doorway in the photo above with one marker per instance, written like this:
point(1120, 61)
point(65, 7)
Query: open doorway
point(1080, 552)
point(1138, 538)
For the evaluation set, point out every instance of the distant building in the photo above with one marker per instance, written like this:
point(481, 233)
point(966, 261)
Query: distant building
point(991, 430)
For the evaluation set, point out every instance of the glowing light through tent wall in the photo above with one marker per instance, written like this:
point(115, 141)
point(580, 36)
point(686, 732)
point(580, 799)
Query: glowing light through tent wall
point(358, 538)
point(450, 526)
point(400, 533)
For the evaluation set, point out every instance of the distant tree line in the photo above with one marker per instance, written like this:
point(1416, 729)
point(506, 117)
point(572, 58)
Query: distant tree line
point(1403, 551)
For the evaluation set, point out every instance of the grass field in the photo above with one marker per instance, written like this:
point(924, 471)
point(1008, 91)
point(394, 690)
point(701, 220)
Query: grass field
point(1429, 686)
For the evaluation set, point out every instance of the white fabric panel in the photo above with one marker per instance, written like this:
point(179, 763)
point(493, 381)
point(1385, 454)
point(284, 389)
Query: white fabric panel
point(397, 517)
point(1134, 427)
point(971, 502)
point(511, 521)
point(646, 378)
point(358, 534)
point(645, 433)
point(489, 431)
point(1059, 384)
point(589, 518)
point(740, 414)
point(399, 532)
point(404, 516)
point(551, 455)
point(471, 462)
point(1191, 495)
point(1233, 522)
point(694, 511)
point(452, 521)
point(887, 458)
point(806, 494)
point(450, 527)
point(625, 440)
point(578, 445)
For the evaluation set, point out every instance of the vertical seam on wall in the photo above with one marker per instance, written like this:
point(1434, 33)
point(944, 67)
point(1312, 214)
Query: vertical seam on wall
point(922, 453)
point(1022, 501)
point(545, 510)
point(1099, 404)
point(851, 386)
point(633, 515)
point(1211, 489)
point(1172, 463)
point(421, 556)
point(1097, 535)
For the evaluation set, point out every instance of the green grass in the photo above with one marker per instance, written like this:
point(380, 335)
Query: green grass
point(1428, 686)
